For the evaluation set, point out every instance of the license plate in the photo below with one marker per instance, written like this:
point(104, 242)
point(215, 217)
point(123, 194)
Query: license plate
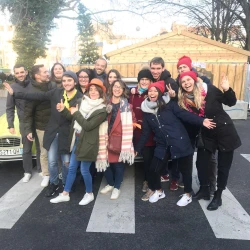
point(17, 151)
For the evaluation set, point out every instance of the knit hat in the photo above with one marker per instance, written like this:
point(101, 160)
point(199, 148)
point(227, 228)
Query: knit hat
point(185, 60)
point(192, 74)
point(97, 82)
point(159, 85)
point(145, 73)
point(70, 74)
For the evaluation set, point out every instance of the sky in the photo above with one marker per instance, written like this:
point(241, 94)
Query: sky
point(124, 23)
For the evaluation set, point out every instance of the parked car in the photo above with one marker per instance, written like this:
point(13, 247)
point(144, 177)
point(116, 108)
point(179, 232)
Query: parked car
point(11, 147)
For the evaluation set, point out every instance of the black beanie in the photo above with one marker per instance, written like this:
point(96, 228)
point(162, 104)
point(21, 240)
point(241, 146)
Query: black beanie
point(145, 73)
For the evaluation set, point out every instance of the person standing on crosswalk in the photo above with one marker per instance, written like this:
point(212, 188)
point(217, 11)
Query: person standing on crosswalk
point(120, 138)
point(163, 116)
point(84, 137)
point(206, 100)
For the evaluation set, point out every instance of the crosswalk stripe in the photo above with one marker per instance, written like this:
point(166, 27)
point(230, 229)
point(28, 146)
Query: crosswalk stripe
point(115, 216)
point(15, 202)
point(230, 221)
point(246, 156)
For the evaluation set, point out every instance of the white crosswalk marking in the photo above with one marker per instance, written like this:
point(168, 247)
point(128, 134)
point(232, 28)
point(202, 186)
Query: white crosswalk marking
point(15, 202)
point(115, 216)
point(230, 221)
point(246, 156)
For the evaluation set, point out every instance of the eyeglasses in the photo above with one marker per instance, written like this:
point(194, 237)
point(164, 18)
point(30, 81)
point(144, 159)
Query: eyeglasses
point(84, 77)
point(117, 87)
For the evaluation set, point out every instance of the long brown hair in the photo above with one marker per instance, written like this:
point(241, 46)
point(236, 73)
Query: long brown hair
point(123, 85)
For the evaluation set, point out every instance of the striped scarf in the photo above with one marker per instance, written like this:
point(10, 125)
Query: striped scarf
point(101, 163)
point(127, 149)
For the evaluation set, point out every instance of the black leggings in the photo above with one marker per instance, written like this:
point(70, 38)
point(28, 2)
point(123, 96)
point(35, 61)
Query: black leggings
point(184, 166)
point(225, 160)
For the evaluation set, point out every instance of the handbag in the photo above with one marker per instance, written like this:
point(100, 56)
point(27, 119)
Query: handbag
point(199, 140)
point(114, 143)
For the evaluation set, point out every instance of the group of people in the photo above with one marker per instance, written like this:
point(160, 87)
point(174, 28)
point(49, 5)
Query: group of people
point(91, 119)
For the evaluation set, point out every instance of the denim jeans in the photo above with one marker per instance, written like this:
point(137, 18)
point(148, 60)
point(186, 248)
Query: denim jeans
point(114, 174)
point(84, 165)
point(53, 163)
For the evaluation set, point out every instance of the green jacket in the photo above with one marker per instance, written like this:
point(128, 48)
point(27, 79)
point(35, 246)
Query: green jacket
point(88, 141)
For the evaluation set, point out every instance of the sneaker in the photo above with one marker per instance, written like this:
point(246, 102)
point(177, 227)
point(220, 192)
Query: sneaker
point(180, 184)
point(156, 196)
point(165, 178)
point(185, 200)
point(146, 196)
point(145, 186)
point(41, 174)
point(173, 185)
point(51, 190)
point(87, 198)
point(45, 181)
point(107, 189)
point(60, 198)
point(115, 194)
point(26, 177)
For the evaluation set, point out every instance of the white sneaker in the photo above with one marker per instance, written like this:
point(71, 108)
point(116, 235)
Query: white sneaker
point(107, 189)
point(60, 198)
point(156, 196)
point(87, 198)
point(45, 181)
point(115, 194)
point(26, 177)
point(185, 200)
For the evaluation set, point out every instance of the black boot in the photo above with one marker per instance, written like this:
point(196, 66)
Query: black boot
point(203, 193)
point(216, 201)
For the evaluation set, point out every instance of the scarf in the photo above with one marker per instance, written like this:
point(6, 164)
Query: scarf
point(142, 90)
point(127, 148)
point(152, 107)
point(87, 107)
point(66, 99)
point(101, 163)
point(190, 104)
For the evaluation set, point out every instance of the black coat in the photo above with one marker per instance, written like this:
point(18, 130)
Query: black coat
point(37, 113)
point(224, 136)
point(169, 131)
point(57, 123)
point(166, 77)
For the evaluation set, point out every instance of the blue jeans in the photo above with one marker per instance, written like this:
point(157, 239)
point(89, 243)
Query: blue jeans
point(84, 165)
point(114, 174)
point(53, 163)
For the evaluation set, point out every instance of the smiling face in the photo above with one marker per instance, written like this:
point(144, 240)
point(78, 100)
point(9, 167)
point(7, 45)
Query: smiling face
point(93, 92)
point(117, 90)
point(144, 83)
point(83, 79)
point(68, 83)
point(153, 94)
point(156, 70)
point(43, 75)
point(100, 66)
point(187, 83)
point(183, 68)
point(20, 73)
point(112, 77)
point(58, 71)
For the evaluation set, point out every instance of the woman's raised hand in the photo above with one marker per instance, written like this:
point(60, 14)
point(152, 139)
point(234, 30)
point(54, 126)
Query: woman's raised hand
point(209, 124)
point(60, 106)
point(171, 92)
point(224, 83)
point(74, 109)
point(8, 88)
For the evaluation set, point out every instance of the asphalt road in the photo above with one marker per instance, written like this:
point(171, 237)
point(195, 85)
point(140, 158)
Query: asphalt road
point(158, 226)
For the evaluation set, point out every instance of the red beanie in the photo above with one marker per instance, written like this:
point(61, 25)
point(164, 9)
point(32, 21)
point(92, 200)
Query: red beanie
point(159, 85)
point(192, 74)
point(185, 60)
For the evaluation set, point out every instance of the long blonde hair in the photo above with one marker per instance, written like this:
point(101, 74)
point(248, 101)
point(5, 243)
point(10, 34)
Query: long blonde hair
point(198, 98)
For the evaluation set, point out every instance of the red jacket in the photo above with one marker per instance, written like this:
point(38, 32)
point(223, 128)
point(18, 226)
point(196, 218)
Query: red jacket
point(136, 101)
point(117, 130)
